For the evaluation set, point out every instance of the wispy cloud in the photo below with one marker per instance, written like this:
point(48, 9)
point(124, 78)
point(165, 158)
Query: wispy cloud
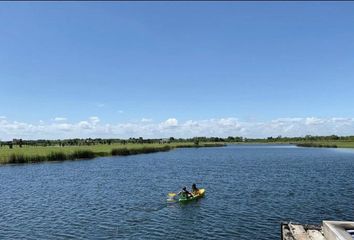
point(146, 120)
point(147, 128)
point(60, 119)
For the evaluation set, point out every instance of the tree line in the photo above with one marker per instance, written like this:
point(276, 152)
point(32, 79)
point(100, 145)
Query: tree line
point(196, 140)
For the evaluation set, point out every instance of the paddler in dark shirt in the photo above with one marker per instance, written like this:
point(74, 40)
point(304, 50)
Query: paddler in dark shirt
point(185, 192)
point(195, 190)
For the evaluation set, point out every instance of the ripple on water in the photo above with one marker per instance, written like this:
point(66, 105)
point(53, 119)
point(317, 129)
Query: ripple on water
point(250, 190)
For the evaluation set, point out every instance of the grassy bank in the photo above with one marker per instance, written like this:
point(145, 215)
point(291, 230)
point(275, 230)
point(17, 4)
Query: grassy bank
point(328, 144)
point(30, 154)
point(317, 145)
point(321, 144)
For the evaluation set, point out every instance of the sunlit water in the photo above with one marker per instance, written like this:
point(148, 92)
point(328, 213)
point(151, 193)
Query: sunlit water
point(249, 191)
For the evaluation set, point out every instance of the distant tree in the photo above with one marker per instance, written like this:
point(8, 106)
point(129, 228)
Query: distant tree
point(230, 139)
point(308, 137)
point(238, 139)
point(334, 137)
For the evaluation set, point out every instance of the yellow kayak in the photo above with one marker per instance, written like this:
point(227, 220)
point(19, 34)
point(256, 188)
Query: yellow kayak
point(200, 194)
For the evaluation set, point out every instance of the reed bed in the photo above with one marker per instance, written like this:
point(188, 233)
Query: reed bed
point(19, 155)
point(318, 145)
point(52, 156)
point(125, 151)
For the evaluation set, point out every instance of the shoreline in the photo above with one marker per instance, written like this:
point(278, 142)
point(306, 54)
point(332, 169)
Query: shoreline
point(24, 155)
point(35, 154)
point(319, 144)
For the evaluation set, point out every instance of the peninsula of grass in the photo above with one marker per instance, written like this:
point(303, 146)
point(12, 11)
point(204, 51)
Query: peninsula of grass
point(318, 145)
point(35, 154)
point(327, 144)
point(331, 141)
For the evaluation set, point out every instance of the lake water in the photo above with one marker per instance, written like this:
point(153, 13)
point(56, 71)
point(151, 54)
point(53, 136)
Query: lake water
point(250, 189)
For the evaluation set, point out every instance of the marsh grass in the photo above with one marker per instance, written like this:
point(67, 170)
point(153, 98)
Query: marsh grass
point(55, 153)
point(319, 145)
point(57, 156)
point(145, 149)
point(201, 145)
point(52, 156)
point(20, 158)
point(82, 154)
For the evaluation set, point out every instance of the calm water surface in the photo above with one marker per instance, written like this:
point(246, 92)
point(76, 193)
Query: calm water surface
point(250, 190)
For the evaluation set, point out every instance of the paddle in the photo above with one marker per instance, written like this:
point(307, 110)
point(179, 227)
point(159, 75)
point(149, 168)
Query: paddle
point(171, 194)
point(171, 197)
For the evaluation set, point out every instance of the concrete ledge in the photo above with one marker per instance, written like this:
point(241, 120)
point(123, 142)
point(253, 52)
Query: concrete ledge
point(337, 230)
point(330, 230)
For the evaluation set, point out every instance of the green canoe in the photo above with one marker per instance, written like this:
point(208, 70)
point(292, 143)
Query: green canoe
point(196, 196)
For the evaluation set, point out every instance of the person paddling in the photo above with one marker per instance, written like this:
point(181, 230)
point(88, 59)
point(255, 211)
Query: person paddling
point(195, 190)
point(185, 193)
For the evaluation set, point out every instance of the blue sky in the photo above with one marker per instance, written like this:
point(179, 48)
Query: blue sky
point(128, 62)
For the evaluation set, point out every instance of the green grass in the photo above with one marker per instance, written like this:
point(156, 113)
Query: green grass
point(28, 154)
point(52, 156)
point(123, 151)
point(317, 145)
point(330, 144)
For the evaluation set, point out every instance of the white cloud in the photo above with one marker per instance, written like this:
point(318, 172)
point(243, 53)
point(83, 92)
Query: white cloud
point(64, 126)
point(94, 120)
point(60, 119)
point(169, 123)
point(84, 125)
point(314, 121)
point(345, 121)
point(147, 128)
point(146, 120)
point(3, 120)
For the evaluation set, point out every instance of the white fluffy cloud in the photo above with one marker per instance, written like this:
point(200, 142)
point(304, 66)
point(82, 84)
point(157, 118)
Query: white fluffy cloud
point(169, 123)
point(314, 121)
point(94, 120)
point(147, 128)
